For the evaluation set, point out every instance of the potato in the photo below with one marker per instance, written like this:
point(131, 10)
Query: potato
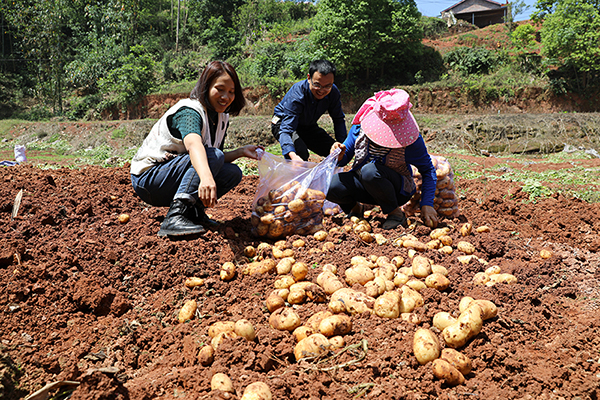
point(464, 303)
point(359, 260)
point(438, 232)
point(442, 369)
point(124, 218)
point(388, 305)
point(284, 319)
point(481, 278)
point(193, 282)
point(466, 259)
point(284, 282)
point(442, 320)
point(284, 266)
point(398, 261)
point(466, 229)
point(351, 301)
point(502, 278)
point(298, 243)
point(366, 237)
point(380, 239)
point(400, 279)
point(257, 391)
point(206, 355)
point(409, 299)
point(320, 236)
point(465, 247)
point(426, 346)
point(220, 338)
point(434, 244)
point(315, 320)
point(227, 271)
point(482, 229)
point(277, 253)
point(421, 267)
point(299, 271)
point(222, 382)
point(337, 342)
point(335, 325)
point(406, 271)
point(221, 326)
point(375, 287)
point(446, 250)
point(458, 360)
point(467, 325)
point(411, 318)
point(437, 281)
point(302, 332)
point(312, 346)
point(250, 251)
point(328, 246)
point(188, 311)
point(493, 270)
point(360, 274)
point(439, 269)
point(415, 245)
point(416, 284)
point(244, 328)
point(274, 302)
point(386, 271)
point(488, 309)
point(265, 266)
point(296, 296)
point(446, 240)
point(329, 282)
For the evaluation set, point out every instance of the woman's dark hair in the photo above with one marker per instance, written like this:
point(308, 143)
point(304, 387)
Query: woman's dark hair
point(212, 71)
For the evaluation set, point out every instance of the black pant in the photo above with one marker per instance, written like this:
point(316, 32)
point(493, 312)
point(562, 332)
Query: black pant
point(305, 138)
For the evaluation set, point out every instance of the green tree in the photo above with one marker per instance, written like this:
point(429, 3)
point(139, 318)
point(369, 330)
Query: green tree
point(570, 36)
point(364, 35)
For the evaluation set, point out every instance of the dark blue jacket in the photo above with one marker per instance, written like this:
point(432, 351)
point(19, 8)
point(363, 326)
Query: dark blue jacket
point(300, 108)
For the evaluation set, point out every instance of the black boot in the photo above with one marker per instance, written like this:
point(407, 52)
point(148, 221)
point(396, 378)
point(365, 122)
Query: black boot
point(177, 221)
point(200, 217)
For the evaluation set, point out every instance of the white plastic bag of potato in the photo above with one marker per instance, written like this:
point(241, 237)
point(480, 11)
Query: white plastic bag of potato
point(290, 196)
point(445, 201)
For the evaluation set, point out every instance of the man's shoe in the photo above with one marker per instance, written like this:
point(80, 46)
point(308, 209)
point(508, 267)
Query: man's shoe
point(177, 221)
point(395, 220)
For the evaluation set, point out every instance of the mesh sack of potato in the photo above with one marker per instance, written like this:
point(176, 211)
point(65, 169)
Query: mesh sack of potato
point(290, 196)
point(445, 201)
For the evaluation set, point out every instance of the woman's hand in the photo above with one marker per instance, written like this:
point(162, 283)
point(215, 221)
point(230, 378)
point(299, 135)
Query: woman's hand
point(250, 151)
point(338, 145)
point(429, 216)
point(207, 191)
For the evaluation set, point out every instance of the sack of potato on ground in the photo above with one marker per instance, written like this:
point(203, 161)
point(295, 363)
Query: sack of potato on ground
point(445, 201)
point(290, 196)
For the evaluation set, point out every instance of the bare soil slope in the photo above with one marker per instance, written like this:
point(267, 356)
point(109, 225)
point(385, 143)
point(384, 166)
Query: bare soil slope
point(89, 299)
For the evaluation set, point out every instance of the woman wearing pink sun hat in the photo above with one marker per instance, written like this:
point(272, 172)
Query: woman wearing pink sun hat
point(385, 141)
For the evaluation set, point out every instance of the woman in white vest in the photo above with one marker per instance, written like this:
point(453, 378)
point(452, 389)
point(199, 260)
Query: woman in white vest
point(181, 163)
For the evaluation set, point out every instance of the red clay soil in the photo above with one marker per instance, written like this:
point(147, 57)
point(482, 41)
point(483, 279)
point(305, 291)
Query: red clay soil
point(89, 299)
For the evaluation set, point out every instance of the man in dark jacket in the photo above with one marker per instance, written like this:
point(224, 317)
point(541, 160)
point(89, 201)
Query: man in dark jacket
point(295, 118)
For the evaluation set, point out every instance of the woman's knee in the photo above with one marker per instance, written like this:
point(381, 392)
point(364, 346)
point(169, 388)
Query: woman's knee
point(369, 173)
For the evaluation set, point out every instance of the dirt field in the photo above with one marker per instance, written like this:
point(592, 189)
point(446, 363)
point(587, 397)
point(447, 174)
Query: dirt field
point(86, 298)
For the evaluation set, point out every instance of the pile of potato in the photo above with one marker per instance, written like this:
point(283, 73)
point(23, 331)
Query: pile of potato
point(493, 275)
point(288, 210)
point(222, 330)
point(445, 201)
point(254, 391)
point(449, 364)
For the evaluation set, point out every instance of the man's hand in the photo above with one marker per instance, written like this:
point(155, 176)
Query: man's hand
point(250, 151)
point(429, 216)
point(338, 145)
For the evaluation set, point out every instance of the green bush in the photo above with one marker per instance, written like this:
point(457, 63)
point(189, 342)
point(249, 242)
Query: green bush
point(433, 27)
point(470, 61)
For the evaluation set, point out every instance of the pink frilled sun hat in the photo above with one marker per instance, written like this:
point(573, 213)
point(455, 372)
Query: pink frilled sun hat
point(386, 119)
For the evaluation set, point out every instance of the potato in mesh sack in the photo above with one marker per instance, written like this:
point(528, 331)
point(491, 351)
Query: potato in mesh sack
point(445, 201)
point(290, 196)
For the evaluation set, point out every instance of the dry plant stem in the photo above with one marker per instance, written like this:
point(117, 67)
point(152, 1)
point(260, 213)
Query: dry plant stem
point(363, 386)
point(16, 204)
point(362, 345)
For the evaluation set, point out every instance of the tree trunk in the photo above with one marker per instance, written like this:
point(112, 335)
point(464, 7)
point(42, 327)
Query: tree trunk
point(177, 28)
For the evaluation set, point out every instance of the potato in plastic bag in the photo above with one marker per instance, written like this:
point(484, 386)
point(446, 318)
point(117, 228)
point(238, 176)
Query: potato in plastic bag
point(290, 196)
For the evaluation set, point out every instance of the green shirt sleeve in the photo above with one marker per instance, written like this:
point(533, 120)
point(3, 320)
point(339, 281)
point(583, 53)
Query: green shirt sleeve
point(185, 121)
